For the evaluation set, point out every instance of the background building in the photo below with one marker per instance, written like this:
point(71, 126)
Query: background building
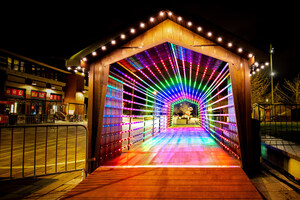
point(34, 92)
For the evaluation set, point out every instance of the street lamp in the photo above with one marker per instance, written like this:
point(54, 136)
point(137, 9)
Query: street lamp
point(272, 73)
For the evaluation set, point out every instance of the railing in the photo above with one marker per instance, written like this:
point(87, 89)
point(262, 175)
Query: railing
point(278, 121)
point(15, 119)
point(34, 150)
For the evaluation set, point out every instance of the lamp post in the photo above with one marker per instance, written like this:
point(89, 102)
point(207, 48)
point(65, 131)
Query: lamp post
point(272, 74)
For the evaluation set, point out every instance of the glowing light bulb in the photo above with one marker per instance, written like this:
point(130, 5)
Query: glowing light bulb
point(179, 18)
point(209, 34)
point(142, 25)
point(220, 39)
point(250, 55)
point(229, 44)
point(123, 36)
point(151, 19)
point(132, 30)
point(161, 13)
point(273, 74)
point(94, 53)
point(240, 50)
point(103, 48)
point(84, 59)
point(189, 23)
point(113, 42)
point(199, 28)
point(170, 13)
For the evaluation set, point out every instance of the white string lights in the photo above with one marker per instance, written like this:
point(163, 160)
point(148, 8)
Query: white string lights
point(161, 16)
point(78, 69)
point(256, 67)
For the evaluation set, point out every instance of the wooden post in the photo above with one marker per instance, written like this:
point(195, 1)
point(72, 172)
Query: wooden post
point(97, 92)
point(240, 81)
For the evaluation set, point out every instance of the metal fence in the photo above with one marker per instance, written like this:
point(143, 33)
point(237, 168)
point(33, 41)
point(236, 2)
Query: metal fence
point(15, 119)
point(35, 150)
point(278, 121)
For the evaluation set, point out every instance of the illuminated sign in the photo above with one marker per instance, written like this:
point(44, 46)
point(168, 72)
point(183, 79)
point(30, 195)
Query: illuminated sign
point(15, 92)
point(55, 97)
point(38, 95)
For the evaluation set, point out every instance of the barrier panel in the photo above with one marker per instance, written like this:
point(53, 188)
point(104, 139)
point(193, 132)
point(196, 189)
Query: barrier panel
point(35, 150)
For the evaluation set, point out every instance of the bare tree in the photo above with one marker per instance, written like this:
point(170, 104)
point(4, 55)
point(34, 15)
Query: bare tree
point(185, 106)
point(176, 109)
point(260, 84)
point(290, 91)
point(181, 108)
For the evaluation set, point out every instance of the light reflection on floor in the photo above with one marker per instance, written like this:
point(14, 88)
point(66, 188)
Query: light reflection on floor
point(177, 146)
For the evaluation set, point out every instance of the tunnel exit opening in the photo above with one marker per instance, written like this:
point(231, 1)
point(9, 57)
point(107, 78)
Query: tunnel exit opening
point(185, 113)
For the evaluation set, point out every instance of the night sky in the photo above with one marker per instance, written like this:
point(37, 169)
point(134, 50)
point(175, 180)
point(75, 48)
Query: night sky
point(51, 32)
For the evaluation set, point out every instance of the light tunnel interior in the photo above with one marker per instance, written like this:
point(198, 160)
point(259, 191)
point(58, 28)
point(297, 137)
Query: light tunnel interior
point(143, 89)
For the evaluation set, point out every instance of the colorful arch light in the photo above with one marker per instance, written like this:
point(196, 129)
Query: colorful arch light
point(143, 89)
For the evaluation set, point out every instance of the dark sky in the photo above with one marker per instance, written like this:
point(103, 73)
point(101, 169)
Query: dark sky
point(51, 32)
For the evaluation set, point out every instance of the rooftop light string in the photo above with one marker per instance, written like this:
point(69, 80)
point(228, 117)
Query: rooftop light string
point(163, 91)
point(151, 94)
point(197, 73)
point(135, 88)
point(217, 78)
point(166, 69)
point(174, 57)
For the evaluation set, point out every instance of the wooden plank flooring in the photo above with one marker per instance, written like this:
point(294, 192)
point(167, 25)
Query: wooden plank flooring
point(181, 163)
point(165, 183)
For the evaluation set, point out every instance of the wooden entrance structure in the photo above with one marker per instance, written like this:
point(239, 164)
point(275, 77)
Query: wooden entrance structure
point(161, 29)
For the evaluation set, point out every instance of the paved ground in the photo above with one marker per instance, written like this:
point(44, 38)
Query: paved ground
point(42, 150)
point(45, 187)
point(272, 185)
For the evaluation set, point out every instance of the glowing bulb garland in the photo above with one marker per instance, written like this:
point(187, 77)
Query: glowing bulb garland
point(170, 15)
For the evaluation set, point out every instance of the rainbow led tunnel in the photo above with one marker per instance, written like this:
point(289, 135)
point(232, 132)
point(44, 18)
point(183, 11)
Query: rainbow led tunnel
point(143, 89)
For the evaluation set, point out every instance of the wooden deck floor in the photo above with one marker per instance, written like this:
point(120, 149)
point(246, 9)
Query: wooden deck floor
point(181, 163)
point(165, 183)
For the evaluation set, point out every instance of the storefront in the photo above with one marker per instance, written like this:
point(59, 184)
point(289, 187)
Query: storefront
point(33, 106)
point(76, 112)
point(56, 108)
point(38, 92)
